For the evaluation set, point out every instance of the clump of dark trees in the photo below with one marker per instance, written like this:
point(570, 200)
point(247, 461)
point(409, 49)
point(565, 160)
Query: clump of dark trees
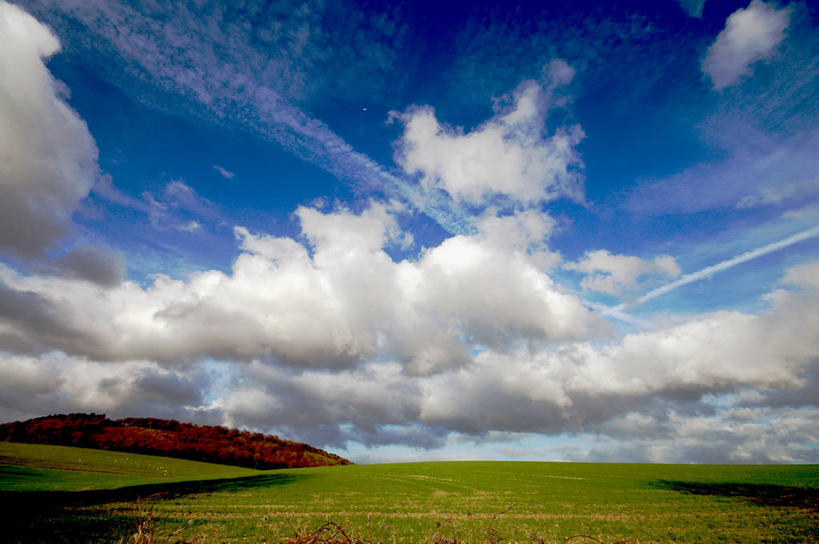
point(169, 438)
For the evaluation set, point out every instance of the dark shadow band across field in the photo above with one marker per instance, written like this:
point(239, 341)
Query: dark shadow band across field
point(51, 516)
point(24, 500)
point(759, 494)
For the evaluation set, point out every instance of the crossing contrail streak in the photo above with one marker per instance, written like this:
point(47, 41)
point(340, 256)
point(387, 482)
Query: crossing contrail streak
point(719, 267)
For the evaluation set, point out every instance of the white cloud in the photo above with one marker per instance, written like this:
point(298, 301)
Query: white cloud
point(804, 275)
point(190, 226)
point(48, 159)
point(527, 231)
point(179, 207)
point(618, 274)
point(223, 172)
point(56, 383)
point(366, 401)
point(717, 436)
point(334, 340)
point(777, 194)
point(508, 155)
point(711, 385)
point(750, 35)
point(586, 386)
point(343, 302)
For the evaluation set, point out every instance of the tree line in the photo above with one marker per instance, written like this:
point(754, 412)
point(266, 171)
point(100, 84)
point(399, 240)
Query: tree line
point(170, 438)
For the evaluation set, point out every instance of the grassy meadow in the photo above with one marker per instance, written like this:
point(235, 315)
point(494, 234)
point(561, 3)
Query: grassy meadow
point(56, 494)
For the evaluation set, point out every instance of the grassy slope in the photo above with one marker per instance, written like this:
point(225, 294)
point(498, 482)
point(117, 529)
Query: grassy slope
point(35, 467)
point(419, 503)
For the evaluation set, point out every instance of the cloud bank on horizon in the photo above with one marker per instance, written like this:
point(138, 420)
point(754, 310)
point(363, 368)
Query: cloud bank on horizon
point(413, 244)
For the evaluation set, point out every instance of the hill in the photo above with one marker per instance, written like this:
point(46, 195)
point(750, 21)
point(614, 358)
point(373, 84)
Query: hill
point(56, 494)
point(165, 437)
point(48, 469)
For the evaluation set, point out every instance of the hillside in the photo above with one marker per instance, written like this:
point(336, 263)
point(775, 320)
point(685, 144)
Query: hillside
point(59, 494)
point(46, 468)
point(212, 444)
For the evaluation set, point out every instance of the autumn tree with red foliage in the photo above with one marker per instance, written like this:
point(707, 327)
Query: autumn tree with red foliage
point(212, 444)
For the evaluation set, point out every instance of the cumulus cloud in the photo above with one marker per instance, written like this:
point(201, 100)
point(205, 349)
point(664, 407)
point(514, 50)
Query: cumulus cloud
point(750, 35)
point(56, 383)
point(618, 274)
point(580, 386)
point(509, 155)
point(707, 385)
point(90, 263)
point(711, 384)
point(372, 404)
point(48, 159)
point(340, 301)
point(804, 275)
point(728, 435)
point(661, 383)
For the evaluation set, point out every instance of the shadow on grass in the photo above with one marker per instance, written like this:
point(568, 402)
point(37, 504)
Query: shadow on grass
point(759, 494)
point(19, 500)
point(53, 516)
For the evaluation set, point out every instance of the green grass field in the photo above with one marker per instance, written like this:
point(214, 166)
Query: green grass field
point(34, 467)
point(108, 494)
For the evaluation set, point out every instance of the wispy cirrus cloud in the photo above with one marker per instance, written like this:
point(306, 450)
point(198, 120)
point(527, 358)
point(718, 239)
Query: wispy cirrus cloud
point(179, 207)
point(180, 56)
point(760, 168)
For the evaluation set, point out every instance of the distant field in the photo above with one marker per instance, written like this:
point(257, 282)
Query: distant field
point(478, 502)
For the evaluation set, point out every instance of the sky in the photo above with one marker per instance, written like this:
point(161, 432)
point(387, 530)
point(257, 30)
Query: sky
point(404, 231)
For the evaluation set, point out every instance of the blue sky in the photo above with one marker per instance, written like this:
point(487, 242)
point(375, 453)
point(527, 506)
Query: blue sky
point(412, 231)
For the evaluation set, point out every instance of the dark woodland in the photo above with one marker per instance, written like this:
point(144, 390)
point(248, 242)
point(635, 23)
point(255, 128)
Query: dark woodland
point(212, 444)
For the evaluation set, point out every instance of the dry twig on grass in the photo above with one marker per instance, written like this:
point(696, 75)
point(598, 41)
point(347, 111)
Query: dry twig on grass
point(573, 537)
point(332, 533)
point(320, 536)
point(491, 532)
point(145, 529)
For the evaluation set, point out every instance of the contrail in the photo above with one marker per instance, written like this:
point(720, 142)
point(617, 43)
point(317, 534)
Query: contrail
point(617, 313)
point(719, 267)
